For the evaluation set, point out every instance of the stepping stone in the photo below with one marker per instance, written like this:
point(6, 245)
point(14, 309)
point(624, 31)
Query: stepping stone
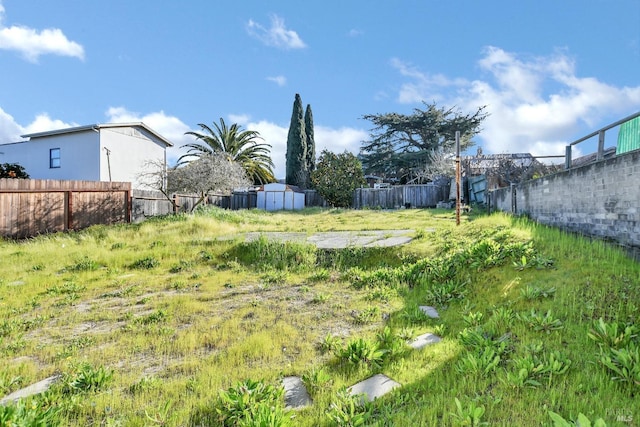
point(37, 388)
point(430, 311)
point(295, 393)
point(373, 387)
point(424, 340)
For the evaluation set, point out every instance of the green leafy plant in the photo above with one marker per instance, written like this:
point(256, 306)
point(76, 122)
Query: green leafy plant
point(146, 263)
point(182, 265)
point(68, 287)
point(473, 318)
point(29, 412)
point(413, 314)
point(469, 415)
point(320, 275)
point(320, 298)
point(530, 369)
point(541, 322)
point(349, 411)
point(443, 293)
point(502, 318)
point(361, 352)
point(478, 339)
point(330, 343)
point(624, 364)
point(83, 264)
point(482, 362)
point(316, 380)
point(161, 415)
point(144, 384)
point(582, 421)
point(368, 315)
point(612, 335)
point(83, 378)
point(534, 292)
point(275, 277)
point(381, 294)
point(243, 403)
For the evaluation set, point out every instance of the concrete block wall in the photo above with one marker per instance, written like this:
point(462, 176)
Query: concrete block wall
point(601, 199)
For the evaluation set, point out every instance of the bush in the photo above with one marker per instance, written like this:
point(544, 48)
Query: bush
point(12, 170)
point(337, 176)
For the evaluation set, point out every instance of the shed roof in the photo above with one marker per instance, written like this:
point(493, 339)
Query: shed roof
point(97, 127)
point(276, 186)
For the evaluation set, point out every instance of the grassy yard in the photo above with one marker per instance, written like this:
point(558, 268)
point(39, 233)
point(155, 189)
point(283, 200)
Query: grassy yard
point(178, 321)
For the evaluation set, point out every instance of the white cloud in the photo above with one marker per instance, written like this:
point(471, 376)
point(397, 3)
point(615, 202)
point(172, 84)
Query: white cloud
point(355, 33)
point(279, 80)
point(10, 131)
point(277, 35)
point(421, 83)
point(33, 43)
point(536, 104)
point(43, 123)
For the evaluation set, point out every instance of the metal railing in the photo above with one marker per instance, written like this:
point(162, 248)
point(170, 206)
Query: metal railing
point(600, 133)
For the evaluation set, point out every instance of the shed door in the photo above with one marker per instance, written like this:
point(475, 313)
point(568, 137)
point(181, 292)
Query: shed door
point(273, 200)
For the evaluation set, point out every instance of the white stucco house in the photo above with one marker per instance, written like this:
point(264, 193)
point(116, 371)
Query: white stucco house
point(98, 152)
point(276, 197)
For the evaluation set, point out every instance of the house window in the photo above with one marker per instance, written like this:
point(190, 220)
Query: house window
point(54, 158)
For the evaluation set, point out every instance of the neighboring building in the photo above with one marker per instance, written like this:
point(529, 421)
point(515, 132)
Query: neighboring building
point(99, 152)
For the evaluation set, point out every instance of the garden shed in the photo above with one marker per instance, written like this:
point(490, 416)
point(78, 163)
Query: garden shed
point(277, 197)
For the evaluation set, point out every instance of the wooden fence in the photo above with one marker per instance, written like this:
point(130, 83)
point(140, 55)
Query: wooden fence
point(409, 196)
point(29, 207)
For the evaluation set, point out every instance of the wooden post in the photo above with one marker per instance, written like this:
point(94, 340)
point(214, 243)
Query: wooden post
point(457, 177)
point(68, 210)
point(128, 202)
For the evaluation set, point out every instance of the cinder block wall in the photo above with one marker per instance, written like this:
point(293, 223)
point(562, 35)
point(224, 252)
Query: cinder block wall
point(601, 199)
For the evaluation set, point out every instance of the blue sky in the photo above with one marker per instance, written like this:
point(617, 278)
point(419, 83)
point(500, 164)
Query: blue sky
point(549, 72)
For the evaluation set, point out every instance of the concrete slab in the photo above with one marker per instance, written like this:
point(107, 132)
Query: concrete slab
point(424, 340)
point(295, 393)
point(373, 387)
point(430, 311)
point(342, 239)
point(37, 388)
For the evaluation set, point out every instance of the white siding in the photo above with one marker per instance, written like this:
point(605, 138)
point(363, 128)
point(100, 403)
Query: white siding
point(130, 150)
point(83, 155)
point(79, 156)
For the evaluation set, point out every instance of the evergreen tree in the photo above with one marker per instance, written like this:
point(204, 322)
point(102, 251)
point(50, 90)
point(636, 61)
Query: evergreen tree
point(297, 147)
point(311, 143)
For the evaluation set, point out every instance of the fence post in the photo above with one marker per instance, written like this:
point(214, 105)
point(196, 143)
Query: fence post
point(600, 154)
point(567, 157)
point(68, 209)
point(128, 202)
point(514, 202)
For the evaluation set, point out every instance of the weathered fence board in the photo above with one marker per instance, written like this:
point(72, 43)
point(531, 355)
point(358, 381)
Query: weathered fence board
point(417, 196)
point(29, 207)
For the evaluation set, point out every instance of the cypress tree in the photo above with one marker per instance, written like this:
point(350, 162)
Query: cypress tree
point(311, 142)
point(296, 146)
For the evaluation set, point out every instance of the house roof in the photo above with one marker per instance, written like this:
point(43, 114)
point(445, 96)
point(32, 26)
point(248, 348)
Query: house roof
point(97, 127)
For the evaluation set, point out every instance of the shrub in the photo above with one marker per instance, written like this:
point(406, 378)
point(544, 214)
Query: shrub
point(145, 263)
point(249, 403)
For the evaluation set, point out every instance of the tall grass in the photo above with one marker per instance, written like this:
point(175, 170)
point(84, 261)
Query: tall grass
point(181, 308)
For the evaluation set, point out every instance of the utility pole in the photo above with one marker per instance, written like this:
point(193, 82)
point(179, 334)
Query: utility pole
point(457, 177)
point(108, 162)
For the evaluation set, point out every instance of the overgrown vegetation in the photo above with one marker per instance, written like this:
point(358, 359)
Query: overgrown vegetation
point(180, 321)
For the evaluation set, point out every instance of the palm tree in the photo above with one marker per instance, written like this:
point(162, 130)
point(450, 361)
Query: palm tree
point(237, 144)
